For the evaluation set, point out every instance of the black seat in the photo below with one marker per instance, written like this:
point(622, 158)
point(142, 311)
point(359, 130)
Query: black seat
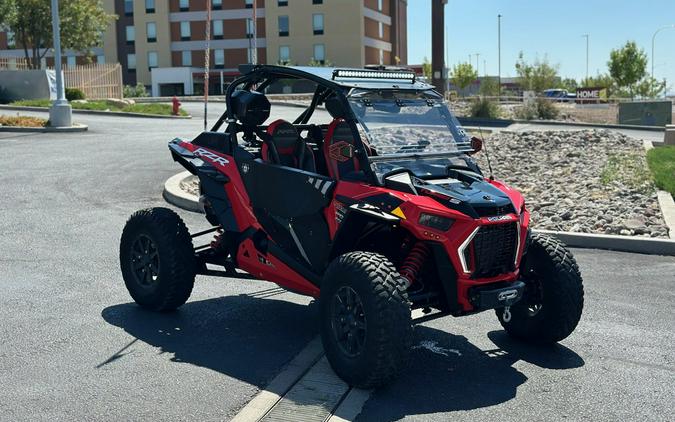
point(285, 147)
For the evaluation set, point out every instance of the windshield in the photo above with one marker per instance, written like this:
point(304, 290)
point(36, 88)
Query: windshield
point(400, 124)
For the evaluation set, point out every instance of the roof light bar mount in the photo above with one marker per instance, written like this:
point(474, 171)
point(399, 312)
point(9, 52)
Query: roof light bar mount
point(374, 74)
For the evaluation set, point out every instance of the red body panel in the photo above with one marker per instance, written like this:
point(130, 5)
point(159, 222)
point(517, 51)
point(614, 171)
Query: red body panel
point(266, 266)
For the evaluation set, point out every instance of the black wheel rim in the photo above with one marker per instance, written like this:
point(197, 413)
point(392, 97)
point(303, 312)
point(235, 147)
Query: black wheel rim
point(145, 261)
point(534, 293)
point(348, 321)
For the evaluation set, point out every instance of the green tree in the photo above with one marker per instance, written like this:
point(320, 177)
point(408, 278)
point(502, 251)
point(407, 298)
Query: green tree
point(489, 86)
point(628, 65)
point(649, 87)
point(426, 68)
point(538, 76)
point(463, 75)
point(569, 84)
point(82, 22)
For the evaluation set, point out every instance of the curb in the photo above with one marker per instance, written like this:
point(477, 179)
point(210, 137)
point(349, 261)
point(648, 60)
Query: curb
point(665, 200)
point(74, 128)
point(98, 112)
point(174, 195)
point(635, 244)
point(507, 122)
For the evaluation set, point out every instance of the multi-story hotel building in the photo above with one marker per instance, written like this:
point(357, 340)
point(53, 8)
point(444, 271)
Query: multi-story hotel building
point(161, 43)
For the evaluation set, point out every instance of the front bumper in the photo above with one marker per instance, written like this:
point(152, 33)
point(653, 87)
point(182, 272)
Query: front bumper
point(491, 296)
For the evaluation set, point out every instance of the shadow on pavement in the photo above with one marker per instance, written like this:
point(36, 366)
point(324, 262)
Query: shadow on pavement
point(245, 337)
point(451, 374)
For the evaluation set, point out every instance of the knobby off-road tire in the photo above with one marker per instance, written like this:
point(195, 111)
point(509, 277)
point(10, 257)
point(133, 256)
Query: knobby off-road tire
point(363, 292)
point(554, 296)
point(157, 259)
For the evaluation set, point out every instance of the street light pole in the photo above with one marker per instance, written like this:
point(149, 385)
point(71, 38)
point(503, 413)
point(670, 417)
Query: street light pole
point(654, 39)
point(586, 36)
point(477, 61)
point(499, 56)
point(60, 114)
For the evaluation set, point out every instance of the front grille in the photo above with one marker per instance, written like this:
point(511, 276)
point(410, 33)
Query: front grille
point(494, 211)
point(494, 250)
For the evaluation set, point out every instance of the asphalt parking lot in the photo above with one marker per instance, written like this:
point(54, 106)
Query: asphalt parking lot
point(73, 347)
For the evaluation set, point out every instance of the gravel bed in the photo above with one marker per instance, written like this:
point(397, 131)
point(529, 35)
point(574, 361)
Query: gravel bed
point(591, 181)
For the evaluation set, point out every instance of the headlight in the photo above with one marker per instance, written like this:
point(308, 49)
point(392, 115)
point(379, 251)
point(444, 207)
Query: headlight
point(436, 222)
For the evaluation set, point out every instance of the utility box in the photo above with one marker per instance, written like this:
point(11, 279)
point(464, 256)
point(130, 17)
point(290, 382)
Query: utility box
point(648, 113)
point(669, 136)
point(27, 85)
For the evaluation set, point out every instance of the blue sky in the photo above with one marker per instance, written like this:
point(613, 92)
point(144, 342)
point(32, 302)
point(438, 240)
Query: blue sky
point(547, 28)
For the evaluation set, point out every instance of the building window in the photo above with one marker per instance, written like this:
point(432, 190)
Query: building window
point(379, 5)
point(218, 30)
point(320, 53)
point(184, 5)
point(380, 29)
point(317, 23)
point(185, 31)
point(249, 28)
point(381, 56)
point(152, 59)
point(317, 1)
point(219, 58)
point(283, 26)
point(186, 58)
point(149, 6)
point(71, 61)
point(151, 30)
point(128, 7)
point(131, 34)
point(281, 3)
point(284, 54)
point(249, 5)
point(131, 62)
point(217, 4)
point(100, 59)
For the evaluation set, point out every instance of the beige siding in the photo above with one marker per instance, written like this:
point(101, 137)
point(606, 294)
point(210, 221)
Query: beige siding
point(343, 31)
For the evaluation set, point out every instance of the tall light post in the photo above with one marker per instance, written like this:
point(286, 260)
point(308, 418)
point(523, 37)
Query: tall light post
point(60, 114)
point(499, 56)
point(477, 61)
point(586, 36)
point(654, 39)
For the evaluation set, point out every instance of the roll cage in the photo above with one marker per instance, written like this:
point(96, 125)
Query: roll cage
point(330, 83)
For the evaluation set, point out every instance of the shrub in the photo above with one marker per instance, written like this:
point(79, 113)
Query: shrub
point(540, 108)
point(135, 91)
point(74, 94)
point(482, 107)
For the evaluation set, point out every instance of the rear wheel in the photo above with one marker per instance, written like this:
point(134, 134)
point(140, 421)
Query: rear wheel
point(157, 259)
point(366, 326)
point(554, 294)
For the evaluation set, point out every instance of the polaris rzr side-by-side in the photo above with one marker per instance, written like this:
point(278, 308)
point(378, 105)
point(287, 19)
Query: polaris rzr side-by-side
point(370, 202)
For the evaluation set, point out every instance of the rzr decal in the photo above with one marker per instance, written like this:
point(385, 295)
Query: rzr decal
point(500, 218)
point(211, 156)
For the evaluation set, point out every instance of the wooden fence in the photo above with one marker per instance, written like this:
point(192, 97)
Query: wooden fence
point(97, 81)
point(12, 63)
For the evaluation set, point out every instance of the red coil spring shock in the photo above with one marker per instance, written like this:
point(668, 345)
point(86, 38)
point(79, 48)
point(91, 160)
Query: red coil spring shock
point(414, 261)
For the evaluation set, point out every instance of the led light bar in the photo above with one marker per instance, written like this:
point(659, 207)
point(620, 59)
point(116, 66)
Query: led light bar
point(373, 74)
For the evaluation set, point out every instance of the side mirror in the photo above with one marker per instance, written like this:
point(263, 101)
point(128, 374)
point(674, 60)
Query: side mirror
point(476, 145)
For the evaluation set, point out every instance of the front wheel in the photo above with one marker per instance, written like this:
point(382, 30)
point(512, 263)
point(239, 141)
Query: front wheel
point(554, 294)
point(157, 259)
point(366, 327)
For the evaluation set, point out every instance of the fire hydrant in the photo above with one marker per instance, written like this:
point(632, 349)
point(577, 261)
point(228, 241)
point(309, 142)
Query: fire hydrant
point(175, 104)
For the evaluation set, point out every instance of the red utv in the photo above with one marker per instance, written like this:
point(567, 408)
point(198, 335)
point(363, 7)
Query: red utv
point(368, 201)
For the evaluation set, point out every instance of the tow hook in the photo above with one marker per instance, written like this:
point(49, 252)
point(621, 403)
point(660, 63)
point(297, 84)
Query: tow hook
point(507, 314)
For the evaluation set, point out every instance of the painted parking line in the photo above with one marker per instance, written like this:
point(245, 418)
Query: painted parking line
point(306, 390)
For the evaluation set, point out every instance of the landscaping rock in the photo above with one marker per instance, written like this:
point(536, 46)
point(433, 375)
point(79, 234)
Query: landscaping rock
point(591, 181)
